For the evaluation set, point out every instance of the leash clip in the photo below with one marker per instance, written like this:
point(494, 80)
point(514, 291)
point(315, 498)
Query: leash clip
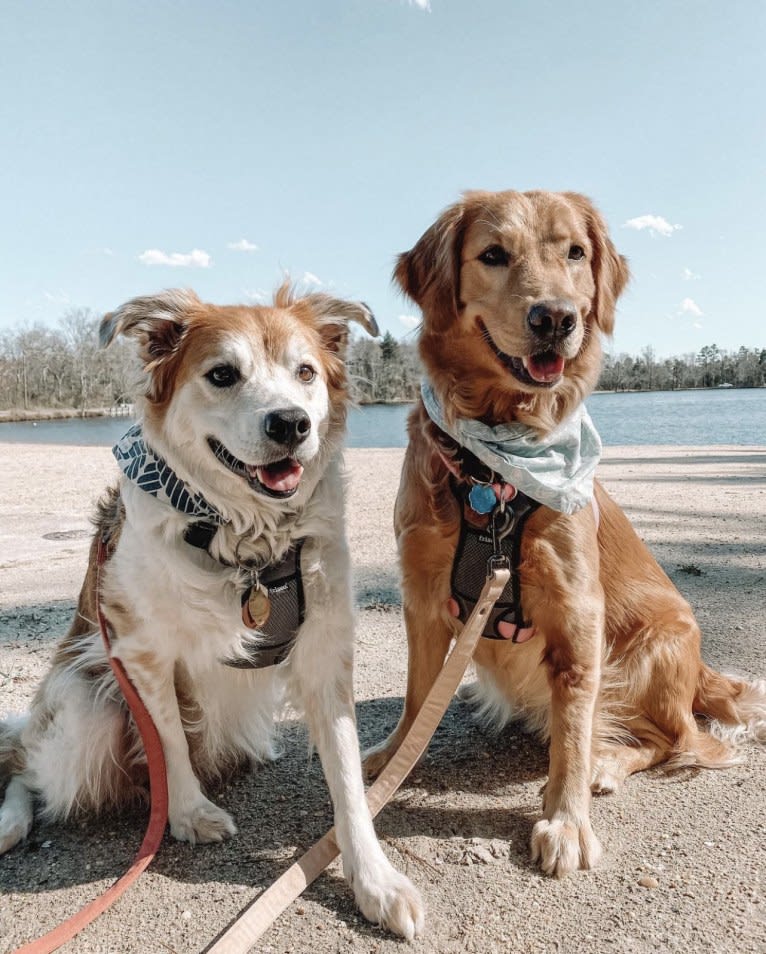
point(497, 562)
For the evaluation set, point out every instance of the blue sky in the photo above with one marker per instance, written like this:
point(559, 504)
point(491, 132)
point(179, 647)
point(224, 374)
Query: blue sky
point(241, 139)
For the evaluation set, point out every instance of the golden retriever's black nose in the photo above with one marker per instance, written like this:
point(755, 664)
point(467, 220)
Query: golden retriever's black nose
point(288, 425)
point(551, 320)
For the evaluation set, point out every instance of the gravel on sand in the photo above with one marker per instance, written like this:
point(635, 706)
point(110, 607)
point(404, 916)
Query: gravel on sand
point(683, 866)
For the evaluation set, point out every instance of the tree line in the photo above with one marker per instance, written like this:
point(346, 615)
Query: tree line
point(710, 367)
point(64, 367)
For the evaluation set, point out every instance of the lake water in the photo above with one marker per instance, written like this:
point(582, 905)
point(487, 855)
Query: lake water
point(702, 418)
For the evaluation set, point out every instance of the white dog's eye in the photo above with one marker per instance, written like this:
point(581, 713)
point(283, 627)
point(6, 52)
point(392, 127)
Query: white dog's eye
point(306, 373)
point(223, 375)
point(494, 256)
point(576, 252)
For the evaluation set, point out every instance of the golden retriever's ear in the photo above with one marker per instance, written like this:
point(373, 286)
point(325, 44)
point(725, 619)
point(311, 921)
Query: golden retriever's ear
point(333, 316)
point(610, 269)
point(157, 322)
point(430, 272)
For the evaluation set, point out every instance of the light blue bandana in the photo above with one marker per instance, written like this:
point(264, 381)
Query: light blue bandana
point(556, 470)
point(147, 470)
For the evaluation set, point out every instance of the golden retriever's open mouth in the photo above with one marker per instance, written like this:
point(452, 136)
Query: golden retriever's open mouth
point(278, 479)
point(543, 369)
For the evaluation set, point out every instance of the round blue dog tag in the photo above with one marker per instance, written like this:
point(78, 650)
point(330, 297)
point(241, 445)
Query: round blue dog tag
point(482, 498)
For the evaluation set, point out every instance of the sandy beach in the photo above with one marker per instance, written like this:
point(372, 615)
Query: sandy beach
point(683, 866)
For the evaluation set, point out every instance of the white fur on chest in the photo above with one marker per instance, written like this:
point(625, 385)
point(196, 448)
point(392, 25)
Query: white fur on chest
point(187, 606)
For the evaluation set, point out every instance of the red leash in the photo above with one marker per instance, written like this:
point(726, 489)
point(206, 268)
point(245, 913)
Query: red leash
point(158, 785)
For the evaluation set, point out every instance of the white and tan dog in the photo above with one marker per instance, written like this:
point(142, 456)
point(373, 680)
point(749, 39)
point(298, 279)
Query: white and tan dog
point(235, 467)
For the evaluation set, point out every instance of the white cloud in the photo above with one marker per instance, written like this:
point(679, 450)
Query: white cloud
point(424, 5)
point(257, 295)
point(689, 276)
point(656, 224)
point(107, 251)
point(690, 307)
point(194, 259)
point(309, 278)
point(242, 246)
point(409, 321)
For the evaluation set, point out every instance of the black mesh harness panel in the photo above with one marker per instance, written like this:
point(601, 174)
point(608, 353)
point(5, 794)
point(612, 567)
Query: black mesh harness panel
point(474, 549)
point(283, 584)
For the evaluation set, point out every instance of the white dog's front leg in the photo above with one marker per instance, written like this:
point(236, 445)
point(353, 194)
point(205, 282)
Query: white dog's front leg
point(192, 816)
point(322, 666)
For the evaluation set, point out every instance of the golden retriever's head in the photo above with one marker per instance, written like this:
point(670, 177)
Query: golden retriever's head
point(242, 400)
point(514, 288)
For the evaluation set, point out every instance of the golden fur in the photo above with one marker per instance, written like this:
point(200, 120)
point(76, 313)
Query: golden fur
point(613, 676)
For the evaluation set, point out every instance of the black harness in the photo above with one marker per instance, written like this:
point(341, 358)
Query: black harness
point(491, 528)
point(282, 584)
point(483, 538)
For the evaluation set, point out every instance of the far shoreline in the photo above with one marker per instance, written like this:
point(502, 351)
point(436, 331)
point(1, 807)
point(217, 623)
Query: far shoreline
point(16, 415)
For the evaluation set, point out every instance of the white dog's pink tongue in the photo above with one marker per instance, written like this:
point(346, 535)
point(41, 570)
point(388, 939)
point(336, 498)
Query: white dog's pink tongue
point(545, 367)
point(282, 476)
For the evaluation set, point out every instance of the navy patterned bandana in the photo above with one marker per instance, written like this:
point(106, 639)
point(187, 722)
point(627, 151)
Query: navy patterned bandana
point(140, 464)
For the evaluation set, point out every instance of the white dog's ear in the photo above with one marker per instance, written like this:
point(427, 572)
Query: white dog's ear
point(333, 317)
point(157, 322)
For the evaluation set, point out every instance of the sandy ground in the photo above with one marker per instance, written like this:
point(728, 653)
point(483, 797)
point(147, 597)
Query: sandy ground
point(460, 826)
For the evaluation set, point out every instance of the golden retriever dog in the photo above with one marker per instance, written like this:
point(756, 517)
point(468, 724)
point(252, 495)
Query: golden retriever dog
point(226, 584)
point(601, 654)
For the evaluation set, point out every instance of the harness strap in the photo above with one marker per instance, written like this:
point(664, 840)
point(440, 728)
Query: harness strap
point(158, 786)
point(253, 922)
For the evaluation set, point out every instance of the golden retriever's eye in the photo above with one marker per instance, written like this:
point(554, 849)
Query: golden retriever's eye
point(494, 256)
point(223, 375)
point(306, 373)
point(576, 252)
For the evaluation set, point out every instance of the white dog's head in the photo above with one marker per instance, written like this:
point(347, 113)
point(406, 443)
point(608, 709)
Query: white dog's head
point(242, 400)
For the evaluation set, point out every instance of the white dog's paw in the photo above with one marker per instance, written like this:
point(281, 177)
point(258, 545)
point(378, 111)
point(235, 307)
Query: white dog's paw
point(389, 898)
point(13, 829)
point(201, 822)
point(563, 846)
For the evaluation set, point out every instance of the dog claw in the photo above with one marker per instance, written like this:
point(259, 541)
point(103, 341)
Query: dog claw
point(392, 901)
point(202, 824)
point(561, 847)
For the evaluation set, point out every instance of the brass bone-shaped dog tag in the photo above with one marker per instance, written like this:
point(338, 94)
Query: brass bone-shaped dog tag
point(256, 607)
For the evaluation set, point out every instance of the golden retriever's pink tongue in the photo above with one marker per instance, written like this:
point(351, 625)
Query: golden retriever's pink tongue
point(283, 476)
point(545, 367)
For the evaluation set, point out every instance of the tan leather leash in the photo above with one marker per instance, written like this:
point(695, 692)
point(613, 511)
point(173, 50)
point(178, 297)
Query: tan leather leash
point(158, 786)
point(253, 922)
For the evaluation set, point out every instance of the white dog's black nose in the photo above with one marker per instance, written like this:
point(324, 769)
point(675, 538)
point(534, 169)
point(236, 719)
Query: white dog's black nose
point(289, 425)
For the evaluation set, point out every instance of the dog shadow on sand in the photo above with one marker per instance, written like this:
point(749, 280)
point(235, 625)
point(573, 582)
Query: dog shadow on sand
point(281, 808)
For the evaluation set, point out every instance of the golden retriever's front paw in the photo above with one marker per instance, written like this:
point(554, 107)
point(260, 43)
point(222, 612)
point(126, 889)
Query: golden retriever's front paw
point(389, 898)
point(563, 846)
point(201, 822)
